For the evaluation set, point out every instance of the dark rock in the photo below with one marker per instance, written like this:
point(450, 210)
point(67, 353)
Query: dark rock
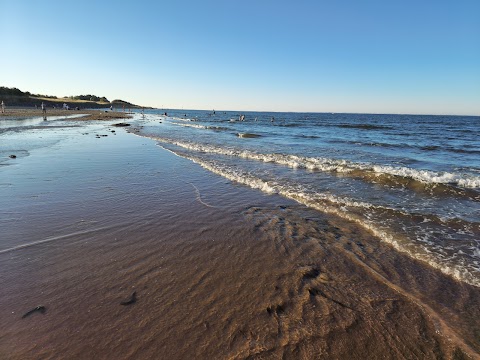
point(121, 124)
point(41, 309)
point(132, 300)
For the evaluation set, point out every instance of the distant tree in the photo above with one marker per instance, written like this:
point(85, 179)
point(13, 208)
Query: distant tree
point(11, 91)
point(89, 97)
point(6, 91)
point(119, 101)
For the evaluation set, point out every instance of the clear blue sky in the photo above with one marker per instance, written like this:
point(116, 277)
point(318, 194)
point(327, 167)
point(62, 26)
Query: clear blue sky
point(375, 56)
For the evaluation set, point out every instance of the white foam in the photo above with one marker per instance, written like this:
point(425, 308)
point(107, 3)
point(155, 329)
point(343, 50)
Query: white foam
point(55, 238)
point(339, 166)
point(191, 125)
point(181, 119)
point(427, 176)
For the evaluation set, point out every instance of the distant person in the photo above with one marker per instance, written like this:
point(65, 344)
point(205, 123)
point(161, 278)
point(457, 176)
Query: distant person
point(111, 107)
point(3, 107)
point(273, 119)
point(44, 109)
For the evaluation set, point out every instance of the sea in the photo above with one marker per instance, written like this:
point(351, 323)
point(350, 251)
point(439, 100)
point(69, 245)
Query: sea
point(413, 181)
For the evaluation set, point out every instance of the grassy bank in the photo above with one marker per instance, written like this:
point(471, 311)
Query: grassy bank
point(32, 101)
point(13, 97)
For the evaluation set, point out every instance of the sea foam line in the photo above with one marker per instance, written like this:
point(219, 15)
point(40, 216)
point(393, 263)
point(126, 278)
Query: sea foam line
point(190, 125)
point(55, 238)
point(203, 127)
point(334, 165)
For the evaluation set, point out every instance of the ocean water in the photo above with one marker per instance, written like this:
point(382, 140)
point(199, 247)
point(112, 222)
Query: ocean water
point(413, 181)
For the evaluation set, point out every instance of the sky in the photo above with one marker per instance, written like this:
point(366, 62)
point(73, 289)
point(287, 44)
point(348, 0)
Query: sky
point(371, 56)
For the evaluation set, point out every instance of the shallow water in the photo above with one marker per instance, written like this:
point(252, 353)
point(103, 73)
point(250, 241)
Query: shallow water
point(414, 181)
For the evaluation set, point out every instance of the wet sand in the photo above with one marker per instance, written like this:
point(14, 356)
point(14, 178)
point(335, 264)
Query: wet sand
point(219, 271)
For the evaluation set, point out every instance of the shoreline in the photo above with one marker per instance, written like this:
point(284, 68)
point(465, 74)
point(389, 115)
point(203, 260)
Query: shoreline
point(90, 114)
point(235, 271)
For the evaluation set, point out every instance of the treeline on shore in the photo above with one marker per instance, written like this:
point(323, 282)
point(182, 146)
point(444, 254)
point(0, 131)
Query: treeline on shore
point(17, 97)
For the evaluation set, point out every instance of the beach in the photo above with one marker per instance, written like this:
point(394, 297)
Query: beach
point(132, 252)
point(88, 114)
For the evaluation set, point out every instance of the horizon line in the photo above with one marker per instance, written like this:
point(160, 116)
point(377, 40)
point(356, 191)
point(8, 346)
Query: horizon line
point(313, 112)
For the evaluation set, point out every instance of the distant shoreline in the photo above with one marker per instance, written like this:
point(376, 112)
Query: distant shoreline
point(16, 97)
point(12, 113)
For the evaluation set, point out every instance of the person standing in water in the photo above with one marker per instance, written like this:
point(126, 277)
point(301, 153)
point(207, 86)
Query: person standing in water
point(44, 111)
point(3, 107)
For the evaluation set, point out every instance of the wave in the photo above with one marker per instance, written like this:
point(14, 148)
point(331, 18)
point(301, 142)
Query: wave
point(432, 148)
point(290, 125)
point(248, 135)
point(462, 151)
point(205, 127)
point(365, 126)
point(376, 144)
point(335, 205)
point(195, 126)
point(340, 166)
point(449, 149)
point(309, 136)
point(175, 118)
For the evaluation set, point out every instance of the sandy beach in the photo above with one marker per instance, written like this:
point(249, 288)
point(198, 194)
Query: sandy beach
point(127, 251)
point(96, 114)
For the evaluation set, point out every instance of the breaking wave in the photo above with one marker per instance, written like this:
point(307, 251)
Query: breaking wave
point(339, 166)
